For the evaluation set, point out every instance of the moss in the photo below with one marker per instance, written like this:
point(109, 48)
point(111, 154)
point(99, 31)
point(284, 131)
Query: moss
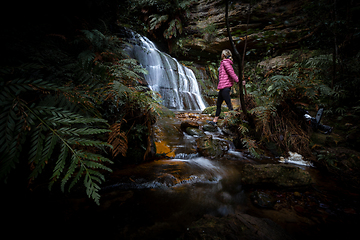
point(211, 110)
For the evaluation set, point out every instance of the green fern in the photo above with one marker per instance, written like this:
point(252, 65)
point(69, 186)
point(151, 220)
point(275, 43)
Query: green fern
point(55, 117)
point(47, 127)
point(156, 20)
point(174, 27)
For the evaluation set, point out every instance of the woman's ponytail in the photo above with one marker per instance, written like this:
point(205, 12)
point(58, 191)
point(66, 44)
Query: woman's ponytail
point(226, 53)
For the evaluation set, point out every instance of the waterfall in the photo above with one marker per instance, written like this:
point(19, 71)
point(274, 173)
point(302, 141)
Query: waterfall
point(176, 83)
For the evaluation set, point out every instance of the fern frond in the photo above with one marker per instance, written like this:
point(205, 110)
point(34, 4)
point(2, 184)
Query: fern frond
point(36, 149)
point(156, 20)
point(87, 163)
point(92, 188)
point(319, 61)
point(81, 131)
point(12, 137)
point(86, 58)
point(75, 179)
point(75, 161)
point(50, 143)
point(62, 116)
point(60, 164)
point(87, 142)
point(252, 146)
point(118, 140)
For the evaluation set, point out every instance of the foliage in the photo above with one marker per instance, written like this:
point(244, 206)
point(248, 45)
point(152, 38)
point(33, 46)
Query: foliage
point(279, 98)
point(60, 103)
point(338, 36)
point(46, 124)
point(328, 159)
point(252, 146)
point(166, 17)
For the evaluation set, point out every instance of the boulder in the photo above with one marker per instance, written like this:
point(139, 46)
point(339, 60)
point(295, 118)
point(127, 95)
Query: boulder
point(276, 175)
point(187, 123)
point(210, 128)
point(209, 147)
point(194, 132)
point(276, 62)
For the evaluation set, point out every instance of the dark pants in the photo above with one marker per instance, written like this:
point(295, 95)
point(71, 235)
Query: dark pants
point(224, 94)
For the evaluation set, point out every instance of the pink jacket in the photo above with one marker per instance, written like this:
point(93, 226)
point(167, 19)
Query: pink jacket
point(227, 75)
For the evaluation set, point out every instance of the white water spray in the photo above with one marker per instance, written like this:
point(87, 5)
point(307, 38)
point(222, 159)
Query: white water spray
point(176, 83)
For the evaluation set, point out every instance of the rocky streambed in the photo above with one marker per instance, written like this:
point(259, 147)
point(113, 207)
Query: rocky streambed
point(205, 188)
point(194, 193)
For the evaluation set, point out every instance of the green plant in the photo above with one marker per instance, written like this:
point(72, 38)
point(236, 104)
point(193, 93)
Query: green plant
point(56, 111)
point(50, 130)
point(278, 98)
point(252, 146)
point(167, 17)
point(328, 159)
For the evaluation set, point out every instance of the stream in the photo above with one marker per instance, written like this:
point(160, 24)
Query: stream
point(162, 199)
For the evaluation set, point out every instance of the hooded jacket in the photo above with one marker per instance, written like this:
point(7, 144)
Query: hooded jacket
point(227, 75)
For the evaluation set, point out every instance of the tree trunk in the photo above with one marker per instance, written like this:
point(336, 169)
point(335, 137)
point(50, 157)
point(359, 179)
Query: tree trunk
point(244, 52)
point(238, 60)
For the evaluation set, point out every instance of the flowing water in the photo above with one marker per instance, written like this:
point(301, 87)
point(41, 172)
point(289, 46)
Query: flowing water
point(176, 83)
point(159, 199)
point(163, 198)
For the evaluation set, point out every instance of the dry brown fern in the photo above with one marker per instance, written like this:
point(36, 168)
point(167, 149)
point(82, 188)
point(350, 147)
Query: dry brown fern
point(118, 140)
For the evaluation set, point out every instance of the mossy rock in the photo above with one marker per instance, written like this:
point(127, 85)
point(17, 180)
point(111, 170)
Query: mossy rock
point(211, 110)
point(210, 128)
point(277, 175)
point(209, 147)
point(195, 132)
point(188, 123)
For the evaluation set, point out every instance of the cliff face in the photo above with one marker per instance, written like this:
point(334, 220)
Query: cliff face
point(270, 26)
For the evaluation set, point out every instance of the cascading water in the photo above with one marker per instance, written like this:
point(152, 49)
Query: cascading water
point(176, 84)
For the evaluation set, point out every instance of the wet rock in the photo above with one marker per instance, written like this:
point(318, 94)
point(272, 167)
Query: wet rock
point(167, 180)
point(209, 147)
point(277, 175)
point(210, 128)
point(235, 226)
point(228, 132)
point(262, 199)
point(195, 132)
point(187, 123)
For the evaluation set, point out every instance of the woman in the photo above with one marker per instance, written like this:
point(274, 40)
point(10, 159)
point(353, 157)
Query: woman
point(227, 77)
